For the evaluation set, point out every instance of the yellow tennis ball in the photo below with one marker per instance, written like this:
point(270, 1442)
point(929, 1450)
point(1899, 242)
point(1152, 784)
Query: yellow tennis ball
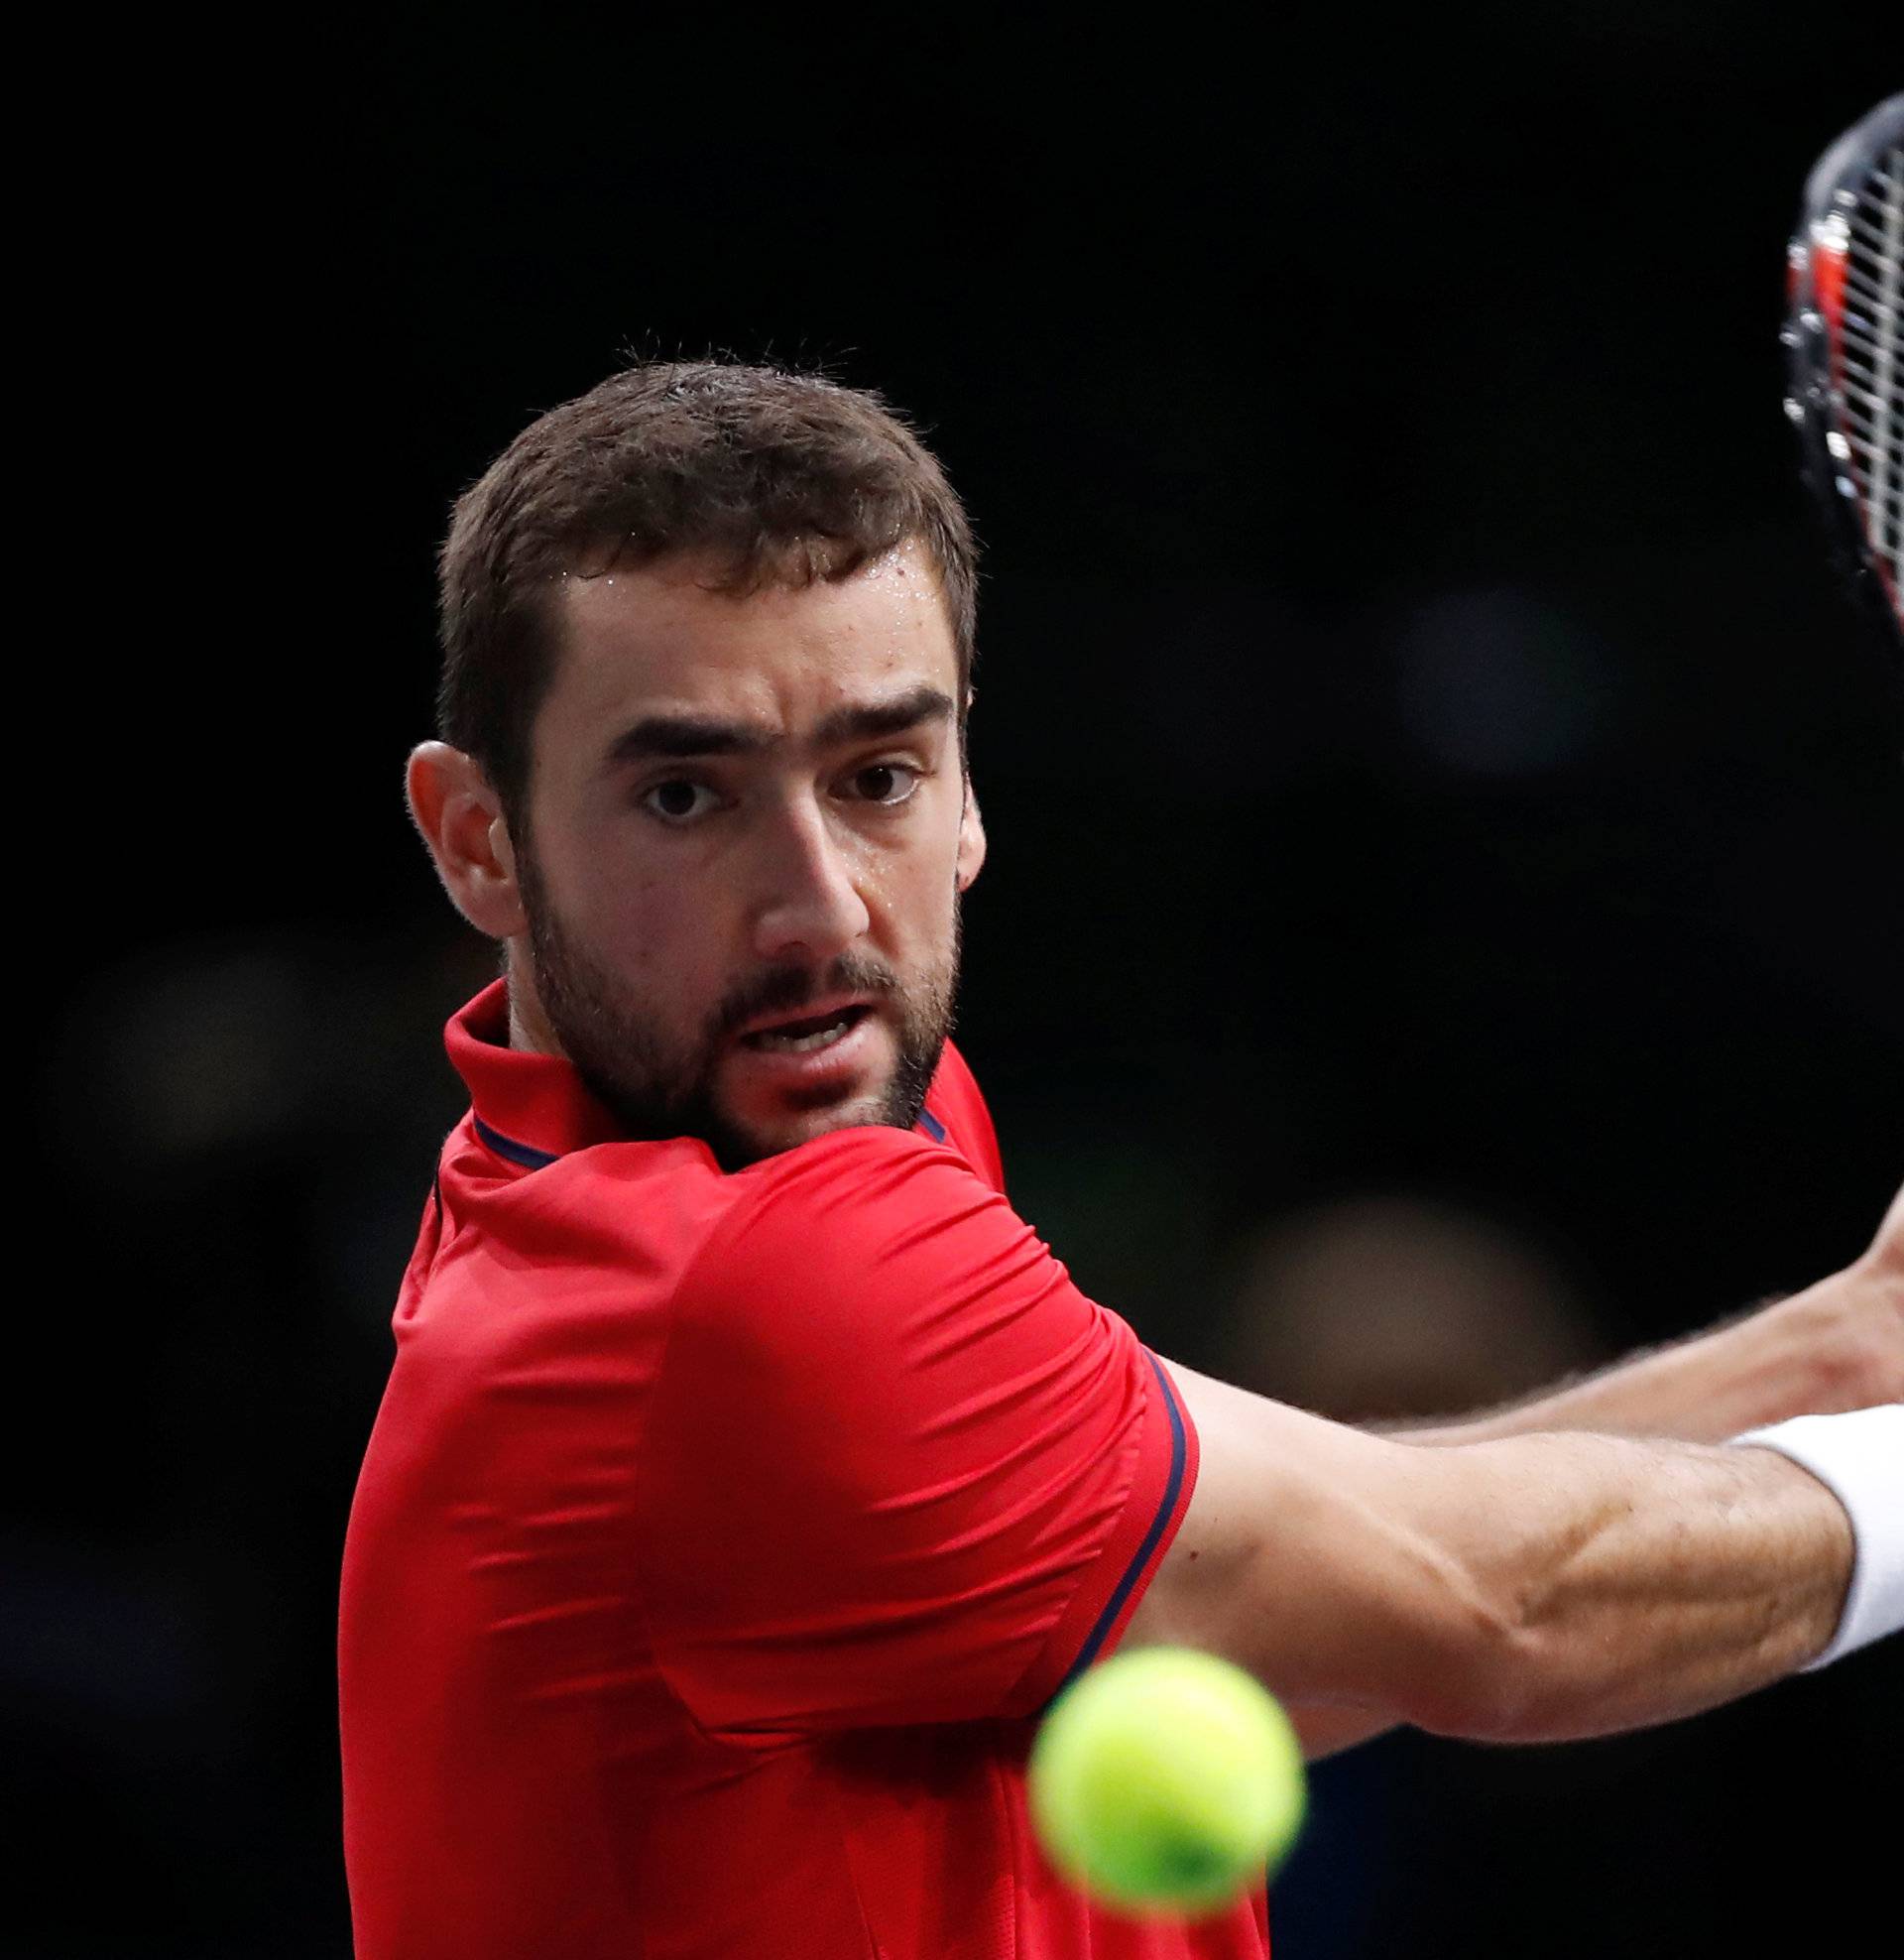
point(1167, 1780)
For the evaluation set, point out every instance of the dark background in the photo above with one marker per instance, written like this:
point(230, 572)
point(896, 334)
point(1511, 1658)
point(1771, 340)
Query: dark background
point(1425, 755)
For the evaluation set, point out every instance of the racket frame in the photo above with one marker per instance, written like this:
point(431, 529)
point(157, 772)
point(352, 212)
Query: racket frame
point(1816, 296)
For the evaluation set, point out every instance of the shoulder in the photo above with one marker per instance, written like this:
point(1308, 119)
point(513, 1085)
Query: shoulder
point(847, 1196)
point(869, 1248)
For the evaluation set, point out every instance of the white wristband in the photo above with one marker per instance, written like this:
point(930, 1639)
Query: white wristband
point(1859, 1457)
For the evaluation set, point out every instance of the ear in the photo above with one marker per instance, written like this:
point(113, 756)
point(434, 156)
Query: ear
point(971, 840)
point(462, 824)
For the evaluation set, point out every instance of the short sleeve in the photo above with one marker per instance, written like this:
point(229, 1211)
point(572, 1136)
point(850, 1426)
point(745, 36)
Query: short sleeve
point(896, 1468)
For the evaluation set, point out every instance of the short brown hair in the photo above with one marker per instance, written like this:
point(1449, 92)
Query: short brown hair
point(781, 478)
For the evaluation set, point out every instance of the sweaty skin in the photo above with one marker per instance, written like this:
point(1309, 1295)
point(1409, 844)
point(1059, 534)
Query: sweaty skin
point(1530, 1589)
point(1516, 1578)
point(741, 806)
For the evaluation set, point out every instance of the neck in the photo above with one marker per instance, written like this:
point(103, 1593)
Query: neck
point(528, 1027)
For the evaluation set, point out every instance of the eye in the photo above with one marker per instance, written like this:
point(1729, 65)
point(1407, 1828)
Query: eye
point(886, 783)
point(679, 800)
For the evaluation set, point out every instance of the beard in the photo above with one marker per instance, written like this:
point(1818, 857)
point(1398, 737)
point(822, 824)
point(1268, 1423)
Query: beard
point(658, 1087)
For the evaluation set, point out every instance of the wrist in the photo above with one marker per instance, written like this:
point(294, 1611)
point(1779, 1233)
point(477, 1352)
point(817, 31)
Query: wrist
point(1811, 1365)
point(1859, 1457)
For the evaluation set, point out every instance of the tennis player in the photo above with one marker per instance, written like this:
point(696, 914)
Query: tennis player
point(750, 1475)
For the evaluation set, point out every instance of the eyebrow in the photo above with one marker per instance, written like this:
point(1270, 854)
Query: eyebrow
point(677, 737)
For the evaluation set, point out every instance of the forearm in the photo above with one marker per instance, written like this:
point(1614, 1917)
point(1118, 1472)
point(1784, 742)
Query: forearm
point(1527, 1589)
point(1835, 1346)
point(1702, 1390)
point(1630, 1583)
point(1755, 1370)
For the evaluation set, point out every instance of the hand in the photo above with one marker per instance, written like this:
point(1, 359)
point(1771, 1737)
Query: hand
point(1852, 1323)
point(1886, 1255)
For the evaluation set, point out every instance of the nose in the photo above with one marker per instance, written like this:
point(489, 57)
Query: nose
point(810, 908)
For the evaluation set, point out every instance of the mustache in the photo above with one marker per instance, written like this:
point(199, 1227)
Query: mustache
point(787, 989)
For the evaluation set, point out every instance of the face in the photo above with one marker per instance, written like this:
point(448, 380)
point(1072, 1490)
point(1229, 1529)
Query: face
point(748, 833)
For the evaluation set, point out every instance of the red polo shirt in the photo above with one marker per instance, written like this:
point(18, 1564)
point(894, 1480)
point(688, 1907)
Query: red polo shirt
point(721, 1539)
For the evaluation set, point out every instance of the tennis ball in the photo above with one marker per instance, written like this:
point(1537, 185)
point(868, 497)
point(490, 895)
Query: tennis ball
point(1165, 1781)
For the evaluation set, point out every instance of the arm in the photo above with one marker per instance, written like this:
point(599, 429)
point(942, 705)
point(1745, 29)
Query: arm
point(1529, 1590)
point(1839, 1344)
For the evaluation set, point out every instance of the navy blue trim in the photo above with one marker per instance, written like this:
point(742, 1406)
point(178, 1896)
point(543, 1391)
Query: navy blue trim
point(1179, 1449)
point(534, 1160)
point(530, 1158)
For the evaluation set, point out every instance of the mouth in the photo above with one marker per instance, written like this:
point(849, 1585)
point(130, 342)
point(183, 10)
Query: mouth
point(805, 1033)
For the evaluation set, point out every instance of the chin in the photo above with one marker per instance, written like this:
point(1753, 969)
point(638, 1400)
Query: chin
point(801, 1127)
point(767, 1135)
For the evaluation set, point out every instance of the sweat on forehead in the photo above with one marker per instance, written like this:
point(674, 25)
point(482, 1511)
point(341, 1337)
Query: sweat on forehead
point(802, 567)
point(667, 641)
point(772, 477)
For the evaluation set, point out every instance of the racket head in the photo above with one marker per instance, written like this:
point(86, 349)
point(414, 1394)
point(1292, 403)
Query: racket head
point(1844, 341)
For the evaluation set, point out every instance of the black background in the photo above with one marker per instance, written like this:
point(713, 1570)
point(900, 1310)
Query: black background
point(1423, 749)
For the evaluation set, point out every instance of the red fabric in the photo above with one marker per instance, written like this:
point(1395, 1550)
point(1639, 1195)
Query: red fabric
point(720, 1541)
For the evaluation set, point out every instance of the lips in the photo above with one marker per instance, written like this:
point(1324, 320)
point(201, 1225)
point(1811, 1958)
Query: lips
point(809, 1033)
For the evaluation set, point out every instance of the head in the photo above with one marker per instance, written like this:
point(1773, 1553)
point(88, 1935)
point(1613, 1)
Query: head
point(708, 640)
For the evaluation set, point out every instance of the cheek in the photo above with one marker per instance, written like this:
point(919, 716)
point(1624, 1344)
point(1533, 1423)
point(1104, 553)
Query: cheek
point(657, 934)
point(633, 919)
point(920, 875)
point(922, 900)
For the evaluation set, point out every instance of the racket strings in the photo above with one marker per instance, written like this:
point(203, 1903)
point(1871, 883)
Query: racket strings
point(1868, 327)
point(1859, 282)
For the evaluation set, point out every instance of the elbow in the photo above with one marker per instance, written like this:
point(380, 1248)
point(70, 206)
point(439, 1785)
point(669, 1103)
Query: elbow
point(1483, 1685)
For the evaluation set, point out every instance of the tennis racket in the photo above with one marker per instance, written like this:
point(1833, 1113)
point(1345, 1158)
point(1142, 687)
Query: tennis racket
point(1845, 335)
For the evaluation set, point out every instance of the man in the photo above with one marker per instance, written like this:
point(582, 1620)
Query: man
point(750, 1477)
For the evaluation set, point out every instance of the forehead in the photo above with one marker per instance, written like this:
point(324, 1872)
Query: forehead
point(663, 637)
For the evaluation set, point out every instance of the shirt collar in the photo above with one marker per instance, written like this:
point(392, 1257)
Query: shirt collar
point(532, 1108)
point(535, 1102)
